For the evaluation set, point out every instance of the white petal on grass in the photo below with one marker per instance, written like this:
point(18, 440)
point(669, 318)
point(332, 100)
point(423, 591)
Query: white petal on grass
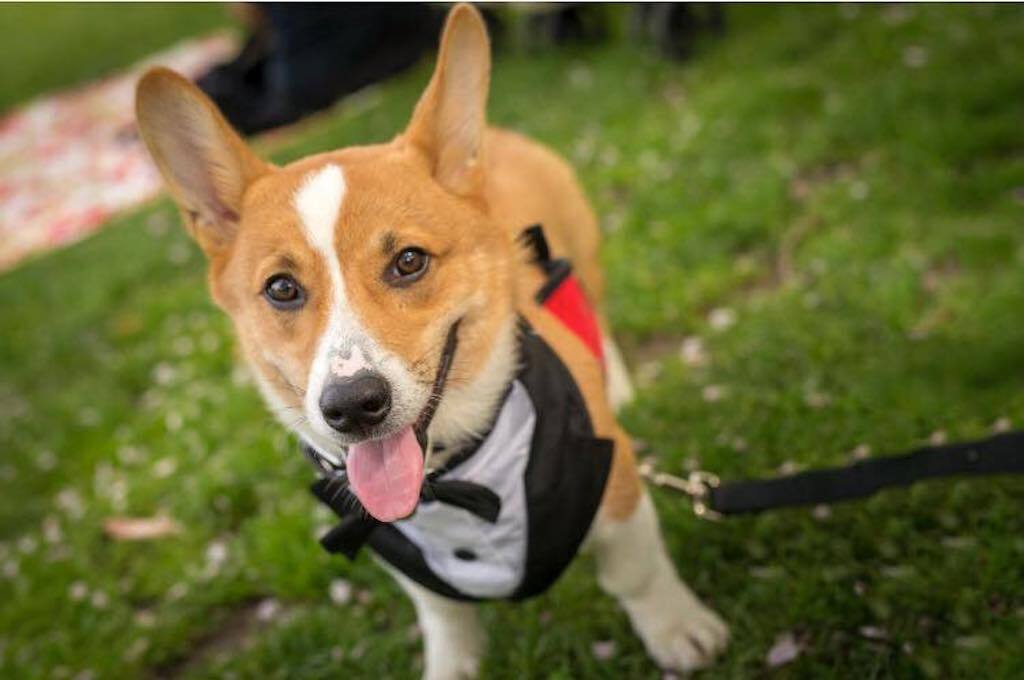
point(129, 455)
point(216, 553)
point(721, 318)
point(603, 650)
point(46, 461)
point(78, 591)
point(816, 400)
point(873, 632)
point(177, 591)
point(938, 438)
point(785, 649)
point(70, 501)
point(341, 591)
point(897, 14)
point(821, 512)
point(164, 373)
point(789, 467)
point(144, 618)
point(915, 56)
point(165, 467)
point(1002, 425)
point(860, 452)
point(971, 642)
point(136, 649)
point(713, 393)
point(268, 609)
point(99, 599)
point(692, 352)
point(174, 421)
point(27, 545)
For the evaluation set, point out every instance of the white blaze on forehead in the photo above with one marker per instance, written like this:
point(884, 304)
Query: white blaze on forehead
point(318, 202)
point(344, 346)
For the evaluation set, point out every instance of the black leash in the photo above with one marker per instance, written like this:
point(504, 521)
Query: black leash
point(712, 498)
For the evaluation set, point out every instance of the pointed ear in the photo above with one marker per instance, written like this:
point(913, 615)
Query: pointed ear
point(205, 164)
point(449, 121)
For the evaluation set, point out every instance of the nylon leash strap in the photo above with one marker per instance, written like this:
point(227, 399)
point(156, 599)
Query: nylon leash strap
point(997, 455)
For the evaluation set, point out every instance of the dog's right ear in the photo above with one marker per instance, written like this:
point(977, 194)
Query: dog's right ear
point(205, 164)
point(449, 121)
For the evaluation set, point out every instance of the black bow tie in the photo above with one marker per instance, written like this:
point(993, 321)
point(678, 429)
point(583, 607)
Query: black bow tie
point(356, 524)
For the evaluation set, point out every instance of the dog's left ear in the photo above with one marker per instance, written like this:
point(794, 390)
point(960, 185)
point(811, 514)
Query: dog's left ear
point(449, 121)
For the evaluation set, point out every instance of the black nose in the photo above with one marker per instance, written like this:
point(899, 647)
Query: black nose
point(354, 404)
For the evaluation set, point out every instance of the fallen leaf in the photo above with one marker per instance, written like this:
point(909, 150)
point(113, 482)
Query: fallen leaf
point(140, 528)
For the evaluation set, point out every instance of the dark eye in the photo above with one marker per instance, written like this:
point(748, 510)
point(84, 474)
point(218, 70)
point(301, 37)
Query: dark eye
point(284, 292)
point(408, 266)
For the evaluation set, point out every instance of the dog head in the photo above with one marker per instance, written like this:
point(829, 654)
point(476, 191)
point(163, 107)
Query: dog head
point(349, 275)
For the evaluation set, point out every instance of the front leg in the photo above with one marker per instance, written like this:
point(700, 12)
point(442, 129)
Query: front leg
point(452, 636)
point(680, 633)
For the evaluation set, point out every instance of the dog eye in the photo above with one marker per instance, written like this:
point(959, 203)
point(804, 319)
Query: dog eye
point(284, 292)
point(408, 266)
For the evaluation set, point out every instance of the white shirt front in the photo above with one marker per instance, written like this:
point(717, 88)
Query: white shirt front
point(477, 557)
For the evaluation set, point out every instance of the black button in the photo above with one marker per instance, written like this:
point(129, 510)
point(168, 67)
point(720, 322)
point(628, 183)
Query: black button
point(465, 554)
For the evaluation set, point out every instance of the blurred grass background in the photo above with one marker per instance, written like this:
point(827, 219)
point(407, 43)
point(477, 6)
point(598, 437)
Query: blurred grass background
point(49, 46)
point(814, 251)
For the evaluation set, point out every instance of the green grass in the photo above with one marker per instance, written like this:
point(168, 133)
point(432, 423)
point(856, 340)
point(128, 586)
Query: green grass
point(57, 45)
point(858, 216)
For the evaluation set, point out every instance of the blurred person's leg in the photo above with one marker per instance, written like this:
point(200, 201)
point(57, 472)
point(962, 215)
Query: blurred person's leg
point(318, 52)
point(235, 84)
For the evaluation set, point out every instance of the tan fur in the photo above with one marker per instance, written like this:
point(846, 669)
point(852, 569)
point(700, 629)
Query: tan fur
point(448, 184)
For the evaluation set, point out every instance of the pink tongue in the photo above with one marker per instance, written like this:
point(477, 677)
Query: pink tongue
point(387, 474)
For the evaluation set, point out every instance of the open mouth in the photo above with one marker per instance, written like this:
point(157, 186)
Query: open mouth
point(386, 475)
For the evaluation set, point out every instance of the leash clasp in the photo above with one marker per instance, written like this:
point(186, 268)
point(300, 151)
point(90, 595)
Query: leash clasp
point(697, 485)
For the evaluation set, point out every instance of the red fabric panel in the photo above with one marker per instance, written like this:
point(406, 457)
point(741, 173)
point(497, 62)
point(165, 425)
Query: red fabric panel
point(570, 305)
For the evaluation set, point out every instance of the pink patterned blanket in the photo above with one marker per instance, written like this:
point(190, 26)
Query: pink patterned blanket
point(70, 160)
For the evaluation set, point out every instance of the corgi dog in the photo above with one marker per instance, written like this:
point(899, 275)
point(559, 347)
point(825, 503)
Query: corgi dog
point(384, 299)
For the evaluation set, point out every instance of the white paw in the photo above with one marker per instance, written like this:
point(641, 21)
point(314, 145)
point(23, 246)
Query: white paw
point(685, 638)
point(464, 669)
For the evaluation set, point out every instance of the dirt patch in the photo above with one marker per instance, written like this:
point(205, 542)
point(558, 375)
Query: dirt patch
point(234, 632)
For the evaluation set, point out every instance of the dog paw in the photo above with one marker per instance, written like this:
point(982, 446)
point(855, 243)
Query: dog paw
point(686, 638)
